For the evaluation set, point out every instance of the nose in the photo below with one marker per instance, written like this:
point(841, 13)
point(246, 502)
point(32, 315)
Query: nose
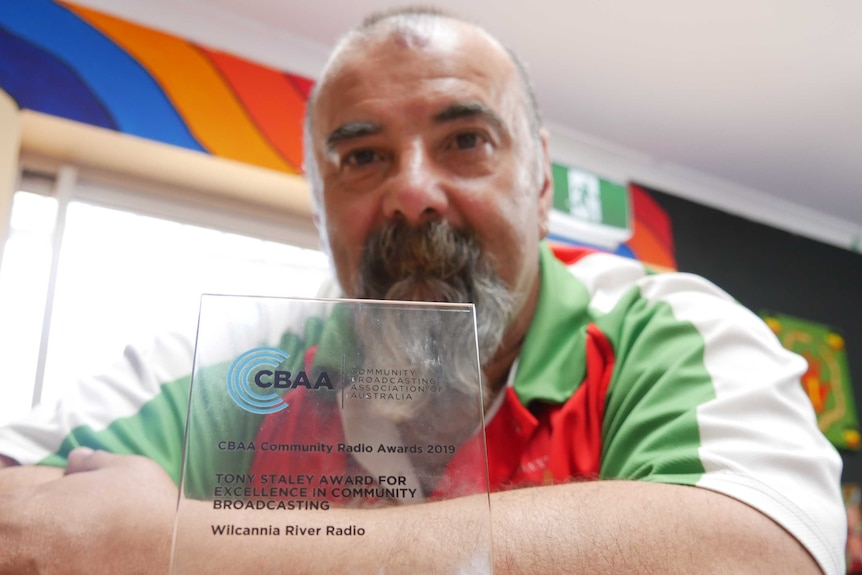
point(414, 189)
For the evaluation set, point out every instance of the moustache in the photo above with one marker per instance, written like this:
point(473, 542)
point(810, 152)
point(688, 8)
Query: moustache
point(430, 262)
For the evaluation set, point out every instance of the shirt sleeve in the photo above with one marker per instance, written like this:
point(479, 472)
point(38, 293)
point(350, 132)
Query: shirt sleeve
point(703, 394)
point(137, 406)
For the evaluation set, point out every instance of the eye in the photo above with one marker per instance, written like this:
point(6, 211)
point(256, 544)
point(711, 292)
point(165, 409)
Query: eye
point(467, 140)
point(362, 157)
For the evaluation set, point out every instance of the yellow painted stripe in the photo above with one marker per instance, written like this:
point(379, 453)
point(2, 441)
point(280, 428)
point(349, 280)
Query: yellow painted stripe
point(199, 94)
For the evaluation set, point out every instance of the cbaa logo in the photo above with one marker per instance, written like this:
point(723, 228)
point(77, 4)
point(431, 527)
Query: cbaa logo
point(249, 380)
point(243, 394)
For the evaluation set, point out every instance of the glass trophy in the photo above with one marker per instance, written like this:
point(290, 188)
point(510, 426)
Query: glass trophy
point(316, 427)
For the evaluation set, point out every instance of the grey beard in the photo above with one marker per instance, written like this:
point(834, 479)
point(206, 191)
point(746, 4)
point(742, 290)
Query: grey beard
point(433, 263)
point(437, 263)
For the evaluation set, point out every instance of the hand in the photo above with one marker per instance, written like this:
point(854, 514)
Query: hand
point(108, 514)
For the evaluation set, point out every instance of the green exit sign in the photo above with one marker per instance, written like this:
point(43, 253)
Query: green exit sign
point(589, 209)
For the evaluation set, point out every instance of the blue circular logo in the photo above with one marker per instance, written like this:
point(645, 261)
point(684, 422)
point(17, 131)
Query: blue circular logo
point(243, 393)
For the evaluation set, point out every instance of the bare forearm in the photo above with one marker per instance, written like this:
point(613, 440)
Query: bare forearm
point(596, 527)
point(637, 527)
point(114, 514)
point(13, 476)
point(431, 538)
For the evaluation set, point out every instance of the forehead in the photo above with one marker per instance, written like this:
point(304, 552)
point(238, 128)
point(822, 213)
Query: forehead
point(417, 71)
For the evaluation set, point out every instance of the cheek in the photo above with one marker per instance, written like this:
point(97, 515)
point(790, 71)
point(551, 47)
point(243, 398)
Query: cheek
point(345, 260)
point(509, 212)
point(347, 227)
point(507, 224)
point(504, 232)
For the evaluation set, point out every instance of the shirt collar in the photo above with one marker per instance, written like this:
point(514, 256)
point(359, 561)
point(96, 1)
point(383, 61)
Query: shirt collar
point(552, 362)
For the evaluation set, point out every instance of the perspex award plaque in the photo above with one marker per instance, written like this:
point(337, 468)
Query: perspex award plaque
point(319, 430)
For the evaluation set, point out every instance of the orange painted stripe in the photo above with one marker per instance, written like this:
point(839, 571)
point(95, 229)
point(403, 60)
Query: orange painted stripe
point(270, 99)
point(301, 83)
point(651, 214)
point(649, 248)
point(198, 92)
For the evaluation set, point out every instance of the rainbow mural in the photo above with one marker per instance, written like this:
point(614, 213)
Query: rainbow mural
point(90, 67)
point(652, 237)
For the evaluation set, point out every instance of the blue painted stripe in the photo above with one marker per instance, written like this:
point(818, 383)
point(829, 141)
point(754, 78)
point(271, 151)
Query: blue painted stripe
point(38, 81)
point(131, 95)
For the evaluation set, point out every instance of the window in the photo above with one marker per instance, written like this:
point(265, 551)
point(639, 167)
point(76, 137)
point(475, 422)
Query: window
point(123, 274)
point(23, 286)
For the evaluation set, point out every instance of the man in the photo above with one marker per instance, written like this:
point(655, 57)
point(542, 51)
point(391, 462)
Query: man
point(426, 150)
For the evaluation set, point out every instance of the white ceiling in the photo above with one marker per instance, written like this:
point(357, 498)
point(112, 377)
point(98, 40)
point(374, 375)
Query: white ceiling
point(763, 96)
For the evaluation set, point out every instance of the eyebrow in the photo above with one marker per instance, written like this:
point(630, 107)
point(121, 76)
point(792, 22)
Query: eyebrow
point(469, 110)
point(452, 113)
point(350, 131)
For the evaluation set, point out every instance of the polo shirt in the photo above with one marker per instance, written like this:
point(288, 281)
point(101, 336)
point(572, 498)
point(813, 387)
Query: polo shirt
point(622, 375)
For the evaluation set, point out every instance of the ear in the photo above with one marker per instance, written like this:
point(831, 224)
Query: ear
point(546, 189)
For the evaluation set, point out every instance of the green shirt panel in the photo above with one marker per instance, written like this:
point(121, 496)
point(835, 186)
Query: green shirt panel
point(650, 429)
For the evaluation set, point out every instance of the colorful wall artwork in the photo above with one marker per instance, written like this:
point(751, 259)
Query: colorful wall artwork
point(84, 65)
point(652, 238)
point(827, 381)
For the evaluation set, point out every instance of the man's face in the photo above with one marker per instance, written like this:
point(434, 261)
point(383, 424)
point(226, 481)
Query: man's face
point(425, 129)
